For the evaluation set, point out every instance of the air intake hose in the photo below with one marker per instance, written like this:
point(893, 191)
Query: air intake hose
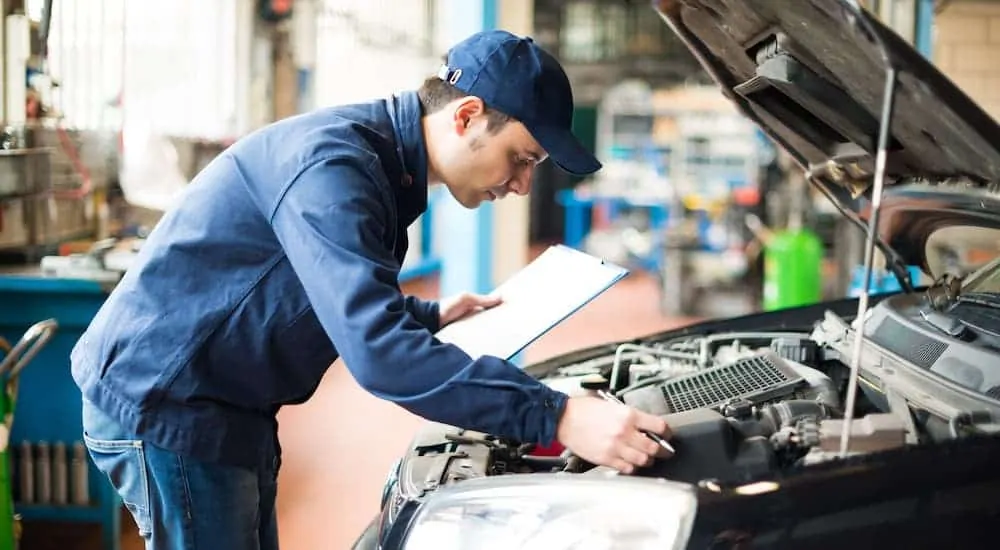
point(785, 414)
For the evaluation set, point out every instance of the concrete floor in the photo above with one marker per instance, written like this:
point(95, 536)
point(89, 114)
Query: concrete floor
point(339, 446)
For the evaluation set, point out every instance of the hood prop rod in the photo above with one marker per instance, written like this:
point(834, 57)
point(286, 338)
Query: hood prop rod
point(884, 131)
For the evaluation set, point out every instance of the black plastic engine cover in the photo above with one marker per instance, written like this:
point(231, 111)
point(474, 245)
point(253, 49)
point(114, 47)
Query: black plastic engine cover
point(710, 447)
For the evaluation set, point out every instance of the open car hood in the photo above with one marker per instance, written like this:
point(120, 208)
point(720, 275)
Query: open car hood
point(811, 76)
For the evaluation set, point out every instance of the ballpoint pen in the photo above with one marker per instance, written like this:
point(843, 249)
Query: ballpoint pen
point(608, 396)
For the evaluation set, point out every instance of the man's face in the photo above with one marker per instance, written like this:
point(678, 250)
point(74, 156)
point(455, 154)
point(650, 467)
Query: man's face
point(480, 165)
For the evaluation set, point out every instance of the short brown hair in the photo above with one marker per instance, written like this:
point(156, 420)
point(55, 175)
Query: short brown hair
point(435, 93)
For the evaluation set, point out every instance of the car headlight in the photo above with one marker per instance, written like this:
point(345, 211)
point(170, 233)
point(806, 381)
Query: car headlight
point(555, 512)
point(389, 486)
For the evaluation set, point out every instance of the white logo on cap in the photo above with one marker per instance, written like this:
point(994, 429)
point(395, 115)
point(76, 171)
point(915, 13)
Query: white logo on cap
point(455, 76)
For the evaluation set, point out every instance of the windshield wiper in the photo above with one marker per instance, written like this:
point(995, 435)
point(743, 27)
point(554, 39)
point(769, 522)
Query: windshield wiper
point(985, 299)
point(945, 322)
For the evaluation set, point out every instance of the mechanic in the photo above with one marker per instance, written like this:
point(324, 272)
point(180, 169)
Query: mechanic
point(282, 256)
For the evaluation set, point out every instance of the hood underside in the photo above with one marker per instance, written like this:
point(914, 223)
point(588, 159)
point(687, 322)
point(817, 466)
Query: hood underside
point(813, 79)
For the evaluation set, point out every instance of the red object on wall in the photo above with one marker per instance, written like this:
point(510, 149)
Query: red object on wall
point(281, 7)
point(276, 10)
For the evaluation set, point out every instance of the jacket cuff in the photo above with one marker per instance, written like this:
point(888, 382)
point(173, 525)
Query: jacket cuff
point(552, 405)
point(427, 313)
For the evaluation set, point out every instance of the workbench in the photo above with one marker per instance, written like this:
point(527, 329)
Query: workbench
point(580, 210)
point(49, 402)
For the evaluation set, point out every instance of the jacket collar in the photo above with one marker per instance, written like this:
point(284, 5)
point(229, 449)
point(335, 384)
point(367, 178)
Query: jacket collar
point(411, 150)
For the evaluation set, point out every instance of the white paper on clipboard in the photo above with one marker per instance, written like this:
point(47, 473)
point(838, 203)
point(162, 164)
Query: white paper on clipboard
point(535, 299)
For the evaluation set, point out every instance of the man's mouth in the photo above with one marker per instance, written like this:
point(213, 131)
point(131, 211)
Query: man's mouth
point(496, 193)
point(499, 191)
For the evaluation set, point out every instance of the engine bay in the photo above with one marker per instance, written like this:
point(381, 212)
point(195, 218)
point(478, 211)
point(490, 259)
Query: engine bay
point(742, 405)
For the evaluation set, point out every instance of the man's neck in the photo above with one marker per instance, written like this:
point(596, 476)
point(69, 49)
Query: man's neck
point(428, 124)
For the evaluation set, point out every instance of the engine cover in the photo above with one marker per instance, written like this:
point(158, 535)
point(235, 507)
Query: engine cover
point(709, 446)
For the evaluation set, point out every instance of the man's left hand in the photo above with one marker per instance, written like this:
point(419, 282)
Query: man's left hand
point(457, 307)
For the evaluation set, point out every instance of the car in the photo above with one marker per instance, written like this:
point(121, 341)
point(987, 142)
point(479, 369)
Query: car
point(856, 422)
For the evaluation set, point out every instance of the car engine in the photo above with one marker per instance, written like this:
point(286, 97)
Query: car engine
point(739, 404)
point(742, 405)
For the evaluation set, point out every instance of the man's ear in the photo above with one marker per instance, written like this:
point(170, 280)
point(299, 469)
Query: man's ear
point(467, 111)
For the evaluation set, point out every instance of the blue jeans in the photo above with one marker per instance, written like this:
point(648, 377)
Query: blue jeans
point(179, 503)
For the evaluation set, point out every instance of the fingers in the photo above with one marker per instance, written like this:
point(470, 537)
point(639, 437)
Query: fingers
point(639, 449)
point(622, 466)
point(632, 448)
point(629, 458)
point(485, 301)
point(662, 452)
point(608, 434)
point(656, 425)
point(636, 457)
point(652, 423)
point(470, 302)
point(459, 306)
point(638, 441)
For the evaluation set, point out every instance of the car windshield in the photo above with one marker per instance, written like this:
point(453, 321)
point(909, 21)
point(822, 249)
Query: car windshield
point(966, 251)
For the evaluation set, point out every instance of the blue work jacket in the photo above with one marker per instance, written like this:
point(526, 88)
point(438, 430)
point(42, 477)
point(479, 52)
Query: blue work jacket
point(283, 255)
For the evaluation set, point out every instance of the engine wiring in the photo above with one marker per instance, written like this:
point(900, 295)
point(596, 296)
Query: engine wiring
point(651, 350)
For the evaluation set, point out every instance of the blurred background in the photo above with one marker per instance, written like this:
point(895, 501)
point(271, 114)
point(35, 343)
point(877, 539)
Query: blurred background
point(111, 107)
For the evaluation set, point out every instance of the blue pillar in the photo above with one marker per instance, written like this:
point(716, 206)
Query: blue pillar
point(465, 237)
point(923, 41)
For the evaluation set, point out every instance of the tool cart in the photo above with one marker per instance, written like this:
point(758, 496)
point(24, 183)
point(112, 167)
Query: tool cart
point(53, 479)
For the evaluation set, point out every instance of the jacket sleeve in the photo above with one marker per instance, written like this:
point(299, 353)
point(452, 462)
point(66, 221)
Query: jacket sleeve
point(331, 221)
point(427, 313)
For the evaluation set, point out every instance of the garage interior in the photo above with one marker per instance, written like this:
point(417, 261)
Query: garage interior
point(125, 102)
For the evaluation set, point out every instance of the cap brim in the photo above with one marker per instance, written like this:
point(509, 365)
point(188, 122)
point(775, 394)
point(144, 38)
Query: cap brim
point(566, 151)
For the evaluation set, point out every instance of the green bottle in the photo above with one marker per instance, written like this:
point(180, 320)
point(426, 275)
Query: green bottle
point(793, 269)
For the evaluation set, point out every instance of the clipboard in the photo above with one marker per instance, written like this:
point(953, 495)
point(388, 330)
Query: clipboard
point(541, 295)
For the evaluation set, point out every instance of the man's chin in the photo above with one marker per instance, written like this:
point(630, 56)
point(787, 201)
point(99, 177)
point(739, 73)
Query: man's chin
point(464, 201)
point(468, 200)
point(470, 203)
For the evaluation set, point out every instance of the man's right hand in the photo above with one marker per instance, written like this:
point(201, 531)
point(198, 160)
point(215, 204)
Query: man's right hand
point(607, 434)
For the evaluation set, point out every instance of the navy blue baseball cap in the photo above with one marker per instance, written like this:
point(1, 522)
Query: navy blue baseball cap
point(515, 76)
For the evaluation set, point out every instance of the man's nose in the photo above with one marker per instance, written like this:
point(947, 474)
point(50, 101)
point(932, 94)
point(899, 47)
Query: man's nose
point(521, 184)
